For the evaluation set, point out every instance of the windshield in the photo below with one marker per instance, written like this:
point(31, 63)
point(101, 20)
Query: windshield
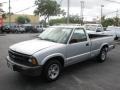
point(56, 34)
point(91, 27)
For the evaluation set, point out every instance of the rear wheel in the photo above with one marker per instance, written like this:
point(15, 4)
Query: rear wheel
point(52, 70)
point(116, 38)
point(103, 55)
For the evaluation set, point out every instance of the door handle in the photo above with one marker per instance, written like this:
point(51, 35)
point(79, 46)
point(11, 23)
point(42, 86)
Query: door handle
point(87, 44)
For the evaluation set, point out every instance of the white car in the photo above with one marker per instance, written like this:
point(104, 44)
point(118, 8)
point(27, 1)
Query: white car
point(21, 29)
point(94, 28)
point(113, 30)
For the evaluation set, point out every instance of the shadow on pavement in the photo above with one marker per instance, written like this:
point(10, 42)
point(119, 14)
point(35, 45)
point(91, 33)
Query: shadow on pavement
point(73, 69)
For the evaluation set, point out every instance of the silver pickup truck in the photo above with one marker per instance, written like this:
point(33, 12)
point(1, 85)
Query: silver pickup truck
point(56, 48)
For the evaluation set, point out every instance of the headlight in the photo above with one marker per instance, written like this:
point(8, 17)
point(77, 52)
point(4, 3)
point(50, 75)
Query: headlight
point(33, 61)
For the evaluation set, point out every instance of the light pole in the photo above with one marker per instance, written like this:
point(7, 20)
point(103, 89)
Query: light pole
point(9, 14)
point(117, 18)
point(68, 10)
point(101, 13)
point(81, 12)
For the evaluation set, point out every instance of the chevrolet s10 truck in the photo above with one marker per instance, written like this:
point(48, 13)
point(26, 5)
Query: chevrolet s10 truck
point(56, 48)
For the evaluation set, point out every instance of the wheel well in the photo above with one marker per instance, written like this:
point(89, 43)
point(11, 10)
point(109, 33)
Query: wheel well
point(59, 58)
point(105, 46)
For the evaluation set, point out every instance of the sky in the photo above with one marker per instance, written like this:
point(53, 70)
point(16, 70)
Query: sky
point(91, 7)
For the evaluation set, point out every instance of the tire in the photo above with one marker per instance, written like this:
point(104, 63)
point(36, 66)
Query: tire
point(116, 38)
point(49, 73)
point(103, 55)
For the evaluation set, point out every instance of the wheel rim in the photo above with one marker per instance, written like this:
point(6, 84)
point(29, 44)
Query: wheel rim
point(103, 55)
point(53, 71)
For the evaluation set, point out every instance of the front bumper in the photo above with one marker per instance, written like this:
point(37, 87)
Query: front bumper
point(32, 71)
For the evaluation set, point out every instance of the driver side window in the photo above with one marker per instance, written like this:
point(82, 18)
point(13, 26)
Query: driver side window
point(78, 36)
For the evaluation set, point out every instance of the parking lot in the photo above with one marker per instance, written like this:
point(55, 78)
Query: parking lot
point(88, 75)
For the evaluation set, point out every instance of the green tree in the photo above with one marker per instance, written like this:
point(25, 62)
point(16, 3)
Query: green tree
point(57, 21)
point(108, 22)
point(5, 15)
point(22, 20)
point(47, 8)
point(116, 21)
point(74, 19)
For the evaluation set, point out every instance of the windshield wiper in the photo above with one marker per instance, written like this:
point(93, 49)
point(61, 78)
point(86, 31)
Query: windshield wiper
point(47, 39)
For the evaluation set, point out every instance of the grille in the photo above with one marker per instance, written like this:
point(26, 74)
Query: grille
point(19, 58)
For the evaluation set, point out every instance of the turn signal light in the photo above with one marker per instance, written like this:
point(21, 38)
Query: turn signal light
point(33, 61)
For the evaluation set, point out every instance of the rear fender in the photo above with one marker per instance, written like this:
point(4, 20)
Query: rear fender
point(105, 44)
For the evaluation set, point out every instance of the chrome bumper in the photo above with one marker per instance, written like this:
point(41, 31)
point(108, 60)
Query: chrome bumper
point(32, 71)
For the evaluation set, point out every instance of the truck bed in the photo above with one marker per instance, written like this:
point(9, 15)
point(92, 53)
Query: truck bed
point(95, 36)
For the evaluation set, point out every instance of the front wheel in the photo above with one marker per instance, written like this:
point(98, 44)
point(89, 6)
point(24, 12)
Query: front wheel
point(103, 55)
point(51, 70)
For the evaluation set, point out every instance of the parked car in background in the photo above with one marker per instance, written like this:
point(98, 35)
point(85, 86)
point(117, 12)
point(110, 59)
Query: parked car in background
point(13, 29)
point(39, 28)
point(56, 48)
point(6, 29)
point(94, 28)
point(0, 29)
point(21, 29)
point(30, 29)
point(113, 30)
point(16, 28)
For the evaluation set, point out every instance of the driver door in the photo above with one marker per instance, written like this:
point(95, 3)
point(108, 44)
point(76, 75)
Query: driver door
point(78, 48)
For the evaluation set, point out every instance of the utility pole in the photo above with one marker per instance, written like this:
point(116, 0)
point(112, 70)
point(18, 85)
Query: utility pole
point(101, 13)
point(81, 12)
point(9, 13)
point(68, 16)
point(117, 18)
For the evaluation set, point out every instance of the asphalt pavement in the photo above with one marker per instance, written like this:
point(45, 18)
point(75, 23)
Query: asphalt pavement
point(88, 75)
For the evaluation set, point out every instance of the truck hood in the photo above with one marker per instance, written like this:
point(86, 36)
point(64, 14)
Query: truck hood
point(31, 46)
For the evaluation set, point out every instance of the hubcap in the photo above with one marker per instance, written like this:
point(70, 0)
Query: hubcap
point(103, 55)
point(53, 71)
